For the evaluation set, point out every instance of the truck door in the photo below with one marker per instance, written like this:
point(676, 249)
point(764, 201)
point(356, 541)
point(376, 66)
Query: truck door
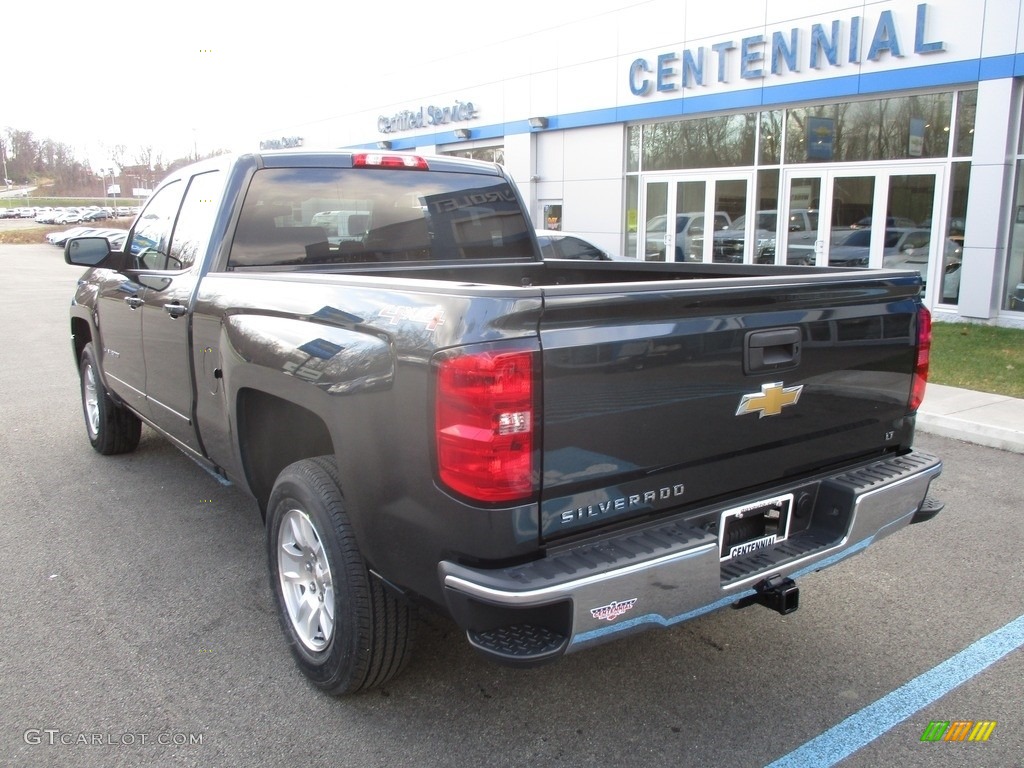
point(123, 295)
point(149, 237)
point(170, 277)
point(119, 335)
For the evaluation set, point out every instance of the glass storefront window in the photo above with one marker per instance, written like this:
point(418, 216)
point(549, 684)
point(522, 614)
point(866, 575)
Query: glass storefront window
point(909, 229)
point(633, 148)
point(724, 141)
point(956, 221)
point(898, 128)
point(770, 138)
point(966, 109)
point(488, 154)
point(1014, 291)
point(662, 146)
point(768, 189)
point(632, 214)
point(915, 127)
point(881, 129)
point(552, 215)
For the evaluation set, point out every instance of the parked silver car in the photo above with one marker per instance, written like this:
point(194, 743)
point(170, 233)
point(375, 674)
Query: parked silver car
point(690, 230)
point(902, 248)
point(555, 244)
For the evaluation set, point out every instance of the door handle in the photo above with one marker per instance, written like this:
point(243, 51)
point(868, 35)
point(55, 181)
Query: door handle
point(175, 309)
point(133, 301)
point(772, 350)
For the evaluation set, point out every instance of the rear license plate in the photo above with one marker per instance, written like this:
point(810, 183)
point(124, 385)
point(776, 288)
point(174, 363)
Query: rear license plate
point(753, 527)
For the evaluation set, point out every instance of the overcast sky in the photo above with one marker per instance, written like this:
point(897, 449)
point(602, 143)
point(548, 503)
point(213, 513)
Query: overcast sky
point(183, 74)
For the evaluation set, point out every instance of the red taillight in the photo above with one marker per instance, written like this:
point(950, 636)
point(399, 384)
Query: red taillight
point(383, 160)
point(485, 424)
point(924, 351)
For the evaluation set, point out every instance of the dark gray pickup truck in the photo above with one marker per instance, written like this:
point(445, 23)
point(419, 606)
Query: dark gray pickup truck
point(552, 453)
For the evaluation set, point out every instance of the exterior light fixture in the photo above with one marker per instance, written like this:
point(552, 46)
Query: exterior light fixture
point(463, 133)
point(383, 145)
point(538, 122)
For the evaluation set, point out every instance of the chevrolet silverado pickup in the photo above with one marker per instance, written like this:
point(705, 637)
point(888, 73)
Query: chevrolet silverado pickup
point(428, 414)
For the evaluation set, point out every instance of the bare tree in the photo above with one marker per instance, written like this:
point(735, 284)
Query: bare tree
point(144, 156)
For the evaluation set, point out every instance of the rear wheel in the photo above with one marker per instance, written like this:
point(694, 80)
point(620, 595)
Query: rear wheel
point(346, 631)
point(111, 428)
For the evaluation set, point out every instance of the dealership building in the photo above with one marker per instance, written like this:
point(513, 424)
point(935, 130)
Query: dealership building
point(771, 131)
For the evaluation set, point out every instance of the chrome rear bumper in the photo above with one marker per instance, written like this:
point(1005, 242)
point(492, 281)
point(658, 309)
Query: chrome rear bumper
point(672, 571)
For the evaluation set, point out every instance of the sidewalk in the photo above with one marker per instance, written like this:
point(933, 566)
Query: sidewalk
point(996, 421)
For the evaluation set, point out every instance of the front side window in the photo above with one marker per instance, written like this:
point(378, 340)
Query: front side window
point(151, 236)
point(195, 222)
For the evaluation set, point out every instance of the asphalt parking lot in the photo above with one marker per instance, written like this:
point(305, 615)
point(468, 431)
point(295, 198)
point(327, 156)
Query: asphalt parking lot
point(138, 626)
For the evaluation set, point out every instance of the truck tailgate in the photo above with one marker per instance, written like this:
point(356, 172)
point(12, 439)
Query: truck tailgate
point(659, 397)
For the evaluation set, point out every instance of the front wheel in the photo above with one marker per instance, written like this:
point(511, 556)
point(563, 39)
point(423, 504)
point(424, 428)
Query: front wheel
point(111, 428)
point(346, 631)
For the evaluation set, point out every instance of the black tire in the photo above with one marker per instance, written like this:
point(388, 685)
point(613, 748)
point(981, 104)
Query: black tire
point(110, 427)
point(367, 639)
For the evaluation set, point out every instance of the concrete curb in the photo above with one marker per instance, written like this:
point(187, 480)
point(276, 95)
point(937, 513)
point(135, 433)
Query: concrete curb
point(995, 421)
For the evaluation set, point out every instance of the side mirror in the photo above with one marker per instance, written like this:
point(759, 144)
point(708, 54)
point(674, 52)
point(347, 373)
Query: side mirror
point(86, 251)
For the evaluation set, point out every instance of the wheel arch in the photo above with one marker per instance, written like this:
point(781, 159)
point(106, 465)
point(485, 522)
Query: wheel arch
point(273, 433)
point(81, 334)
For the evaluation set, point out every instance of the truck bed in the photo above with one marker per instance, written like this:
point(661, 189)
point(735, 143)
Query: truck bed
point(644, 367)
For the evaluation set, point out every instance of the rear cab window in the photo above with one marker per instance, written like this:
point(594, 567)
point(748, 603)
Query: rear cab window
point(376, 215)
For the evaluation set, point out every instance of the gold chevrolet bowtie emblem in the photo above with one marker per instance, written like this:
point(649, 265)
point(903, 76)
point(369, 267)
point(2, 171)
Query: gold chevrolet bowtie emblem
point(770, 400)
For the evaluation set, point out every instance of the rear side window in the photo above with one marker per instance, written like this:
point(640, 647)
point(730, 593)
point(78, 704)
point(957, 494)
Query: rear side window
point(372, 215)
point(569, 247)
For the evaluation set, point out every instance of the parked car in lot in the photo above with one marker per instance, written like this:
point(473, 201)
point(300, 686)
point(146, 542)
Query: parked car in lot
point(729, 244)
point(60, 238)
point(68, 216)
point(902, 248)
point(890, 221)
point(851, 247)
point(690, 229)
point(555, 244)
point(117, 239)
point(96, 215)
point(913, 254)
point(1017, 298)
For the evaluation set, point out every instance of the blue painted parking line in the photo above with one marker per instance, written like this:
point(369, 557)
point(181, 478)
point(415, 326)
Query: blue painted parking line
point(863, 727)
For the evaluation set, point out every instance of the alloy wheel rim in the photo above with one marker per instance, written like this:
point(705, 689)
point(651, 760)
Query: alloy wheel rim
point(307, 585)
point(90, 398)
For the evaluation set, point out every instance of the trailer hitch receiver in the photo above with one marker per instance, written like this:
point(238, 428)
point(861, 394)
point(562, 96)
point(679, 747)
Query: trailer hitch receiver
point(780, 594)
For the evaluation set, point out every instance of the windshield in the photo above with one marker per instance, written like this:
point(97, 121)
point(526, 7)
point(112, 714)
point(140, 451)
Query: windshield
point(859, 237)
point(765, 220)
